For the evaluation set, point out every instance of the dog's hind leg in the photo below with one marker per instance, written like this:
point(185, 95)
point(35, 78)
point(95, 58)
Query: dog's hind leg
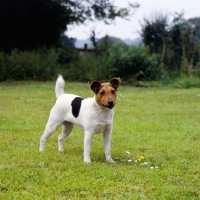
point(47, 133)
point(66, 130)
point(53, 123)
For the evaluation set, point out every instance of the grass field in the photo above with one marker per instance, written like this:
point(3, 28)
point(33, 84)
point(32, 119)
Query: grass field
point(156, 143)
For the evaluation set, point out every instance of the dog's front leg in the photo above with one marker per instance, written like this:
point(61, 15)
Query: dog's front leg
point(107, 139)
point(87, 144)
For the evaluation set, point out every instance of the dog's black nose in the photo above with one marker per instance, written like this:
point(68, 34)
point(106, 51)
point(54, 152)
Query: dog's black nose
point(110, 102)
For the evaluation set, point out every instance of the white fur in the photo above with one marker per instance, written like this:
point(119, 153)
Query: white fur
point(59, 88)
point(92, 118)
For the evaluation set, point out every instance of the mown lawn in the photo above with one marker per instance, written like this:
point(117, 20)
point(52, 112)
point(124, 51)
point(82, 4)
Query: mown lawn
point(160, 124)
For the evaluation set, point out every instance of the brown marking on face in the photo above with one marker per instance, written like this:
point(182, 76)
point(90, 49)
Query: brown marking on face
point(106, 93)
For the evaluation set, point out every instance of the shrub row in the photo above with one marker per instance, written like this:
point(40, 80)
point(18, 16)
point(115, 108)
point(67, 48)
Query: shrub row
point(118, 60)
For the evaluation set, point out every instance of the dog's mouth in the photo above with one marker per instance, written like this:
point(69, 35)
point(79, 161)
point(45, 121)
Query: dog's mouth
point(109, 106)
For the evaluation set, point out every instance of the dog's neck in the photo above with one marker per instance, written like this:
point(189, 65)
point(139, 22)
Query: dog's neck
point(100, 107)
point(102, 110)
point(102, 113)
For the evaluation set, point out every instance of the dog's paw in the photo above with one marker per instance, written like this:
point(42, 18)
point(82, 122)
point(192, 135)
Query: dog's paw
point(61, 150)
point(110, 160)
point(41, 149)
point(87, 160)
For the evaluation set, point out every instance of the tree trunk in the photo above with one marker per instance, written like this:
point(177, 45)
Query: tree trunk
point(188, 49)
point(163, 51)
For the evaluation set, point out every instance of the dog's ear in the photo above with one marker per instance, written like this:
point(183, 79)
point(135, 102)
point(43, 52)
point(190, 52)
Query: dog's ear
point(115, 82)
point(95, 86)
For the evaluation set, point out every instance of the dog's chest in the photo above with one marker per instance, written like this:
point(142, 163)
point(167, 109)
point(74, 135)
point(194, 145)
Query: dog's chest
point(88, 115)
point(102, 121)
point(99, 128)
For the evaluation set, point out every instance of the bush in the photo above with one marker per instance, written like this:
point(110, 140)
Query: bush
point(28, 65)
point(67, 55)
point(118, 60)
point(128, 61)
point(186, 82)
point(89, 67)
point(77, 70)
point(2, 66)
point(196, 71)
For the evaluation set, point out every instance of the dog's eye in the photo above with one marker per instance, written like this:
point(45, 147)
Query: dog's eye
point(113, 91)
point(102, 93)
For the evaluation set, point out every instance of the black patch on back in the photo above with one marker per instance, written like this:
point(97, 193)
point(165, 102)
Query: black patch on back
point(76, 105)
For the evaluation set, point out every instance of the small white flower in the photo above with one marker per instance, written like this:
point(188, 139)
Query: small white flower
point(144, 163)
point(151, 167)
point(156, 167)
point(128, 153)
point(135, 161)
point(129, 160)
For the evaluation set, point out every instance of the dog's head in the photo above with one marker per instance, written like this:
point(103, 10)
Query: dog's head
point(106, 93)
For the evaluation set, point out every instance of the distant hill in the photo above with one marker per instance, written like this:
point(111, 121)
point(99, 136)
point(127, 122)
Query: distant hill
point(135, 41)
point(196, 22)
point(110, 40)
point(128, 41)
point(81, 43)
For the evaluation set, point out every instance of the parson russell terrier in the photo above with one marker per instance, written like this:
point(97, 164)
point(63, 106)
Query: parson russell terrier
point(92, 115)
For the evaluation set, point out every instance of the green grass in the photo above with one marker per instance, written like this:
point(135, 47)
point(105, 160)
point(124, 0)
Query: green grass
point(163, 125)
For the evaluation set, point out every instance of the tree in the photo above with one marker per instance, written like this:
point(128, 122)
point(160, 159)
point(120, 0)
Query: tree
point(155, 34)
point(28, 24)
point(175, 43)
point(184, 38)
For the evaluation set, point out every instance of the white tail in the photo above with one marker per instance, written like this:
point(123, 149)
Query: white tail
point(59, 88)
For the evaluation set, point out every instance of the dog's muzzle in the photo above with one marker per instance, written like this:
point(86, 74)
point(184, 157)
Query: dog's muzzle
point(110, 104)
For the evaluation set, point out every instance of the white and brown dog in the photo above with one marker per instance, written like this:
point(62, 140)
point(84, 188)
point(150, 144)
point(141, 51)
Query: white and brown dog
point(92, 115)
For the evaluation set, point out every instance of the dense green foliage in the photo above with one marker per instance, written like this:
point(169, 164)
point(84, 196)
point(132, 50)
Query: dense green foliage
point(160, 124)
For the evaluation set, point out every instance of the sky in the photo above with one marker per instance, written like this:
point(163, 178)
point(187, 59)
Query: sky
point(123, 29)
